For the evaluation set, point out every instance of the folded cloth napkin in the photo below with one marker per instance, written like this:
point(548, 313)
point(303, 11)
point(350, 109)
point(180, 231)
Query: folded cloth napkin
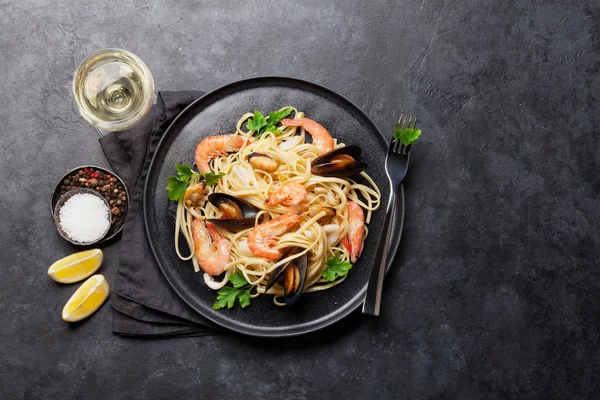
point(143, 302)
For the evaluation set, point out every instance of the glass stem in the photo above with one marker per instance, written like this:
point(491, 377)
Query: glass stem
point(100, 133)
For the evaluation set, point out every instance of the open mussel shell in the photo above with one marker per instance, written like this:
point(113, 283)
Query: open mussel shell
point(235, 213)
point(234, 224)
point(341, 162)
point(292, 275)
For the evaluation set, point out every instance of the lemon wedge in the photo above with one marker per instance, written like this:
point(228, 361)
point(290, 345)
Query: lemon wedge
point(87, 299)
point(76, 267)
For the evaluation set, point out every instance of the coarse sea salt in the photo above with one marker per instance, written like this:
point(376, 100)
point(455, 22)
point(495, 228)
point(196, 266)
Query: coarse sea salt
point(85, 218)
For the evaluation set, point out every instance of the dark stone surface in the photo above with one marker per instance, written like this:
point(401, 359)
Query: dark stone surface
point(496, 290)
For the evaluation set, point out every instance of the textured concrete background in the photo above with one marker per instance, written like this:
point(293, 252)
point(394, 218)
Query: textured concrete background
point(496, 290)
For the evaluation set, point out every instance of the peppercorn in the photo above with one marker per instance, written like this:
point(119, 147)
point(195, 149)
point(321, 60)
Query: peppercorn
point(113, 195)
point(102, 189)
point(116, 191)
point(100, 182)
point(67, 182)
point(123, 198)
point(111, 202)
point(116, 211)
point(93, 182)
point(113, 179)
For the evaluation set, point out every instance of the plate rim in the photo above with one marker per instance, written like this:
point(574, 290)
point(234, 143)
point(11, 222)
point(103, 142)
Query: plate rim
point(242, 328)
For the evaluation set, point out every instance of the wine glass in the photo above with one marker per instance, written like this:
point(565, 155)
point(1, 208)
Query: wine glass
point(113, 90)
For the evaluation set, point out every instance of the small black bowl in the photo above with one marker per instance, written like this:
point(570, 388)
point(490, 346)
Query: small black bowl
point(116, 226)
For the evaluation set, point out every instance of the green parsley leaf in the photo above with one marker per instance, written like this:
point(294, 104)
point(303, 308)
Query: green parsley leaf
point(244, 298)
point(184, 171)
point(275, 117)
point(240, 290)
point(257, 122)
point(212, 179)
point(176, 185)
point(408, 136)
point(238, 280)
point(335, 268)
point(273, 129)
point(176, 188)
point(226, 297)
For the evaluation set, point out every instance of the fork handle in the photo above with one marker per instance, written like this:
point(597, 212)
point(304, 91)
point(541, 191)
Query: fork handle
point(372, 301)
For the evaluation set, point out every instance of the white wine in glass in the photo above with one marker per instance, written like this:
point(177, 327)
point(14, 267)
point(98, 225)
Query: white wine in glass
point(113, 89)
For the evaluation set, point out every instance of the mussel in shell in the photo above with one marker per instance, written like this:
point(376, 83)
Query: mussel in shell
point(292, 275)
point(195, 195)
point(341, 162)
point(263, 162)
point(235, 213)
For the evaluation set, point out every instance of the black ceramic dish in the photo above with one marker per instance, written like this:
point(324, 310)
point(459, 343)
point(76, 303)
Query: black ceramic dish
point(115, 228)
point(217, 112)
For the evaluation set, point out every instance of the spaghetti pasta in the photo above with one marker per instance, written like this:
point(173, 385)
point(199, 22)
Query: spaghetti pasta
point(323, 226)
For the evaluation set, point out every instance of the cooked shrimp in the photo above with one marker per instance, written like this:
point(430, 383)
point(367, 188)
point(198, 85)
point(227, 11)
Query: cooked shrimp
point(287, 195)
point(320, 136)
point(354, 242)
point(212, 250)
point(195, 195)
point(215, 146)
point(263, 237)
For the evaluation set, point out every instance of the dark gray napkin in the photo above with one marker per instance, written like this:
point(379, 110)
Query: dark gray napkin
point(144, 303)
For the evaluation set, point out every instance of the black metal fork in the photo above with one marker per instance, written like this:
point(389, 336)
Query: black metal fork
point(396, 166)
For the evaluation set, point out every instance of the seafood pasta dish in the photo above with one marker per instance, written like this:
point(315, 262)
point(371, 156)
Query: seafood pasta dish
point(279, 207)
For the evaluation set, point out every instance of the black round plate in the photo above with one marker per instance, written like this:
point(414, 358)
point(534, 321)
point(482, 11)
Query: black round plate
point(217, 112)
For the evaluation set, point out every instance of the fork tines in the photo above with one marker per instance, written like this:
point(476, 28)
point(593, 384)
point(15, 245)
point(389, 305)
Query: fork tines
point(405, 121)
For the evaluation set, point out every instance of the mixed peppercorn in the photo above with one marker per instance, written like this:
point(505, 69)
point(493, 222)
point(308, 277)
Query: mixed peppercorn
point(104, 183)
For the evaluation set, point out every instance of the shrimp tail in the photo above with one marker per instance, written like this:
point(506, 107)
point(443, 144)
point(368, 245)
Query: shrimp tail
point(214, 233)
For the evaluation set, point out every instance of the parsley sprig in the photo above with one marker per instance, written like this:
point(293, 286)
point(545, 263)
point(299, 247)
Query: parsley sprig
point(335, 268)
point(177, 184)
point(240, 290)
point(259, 124)
point(408, 135)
